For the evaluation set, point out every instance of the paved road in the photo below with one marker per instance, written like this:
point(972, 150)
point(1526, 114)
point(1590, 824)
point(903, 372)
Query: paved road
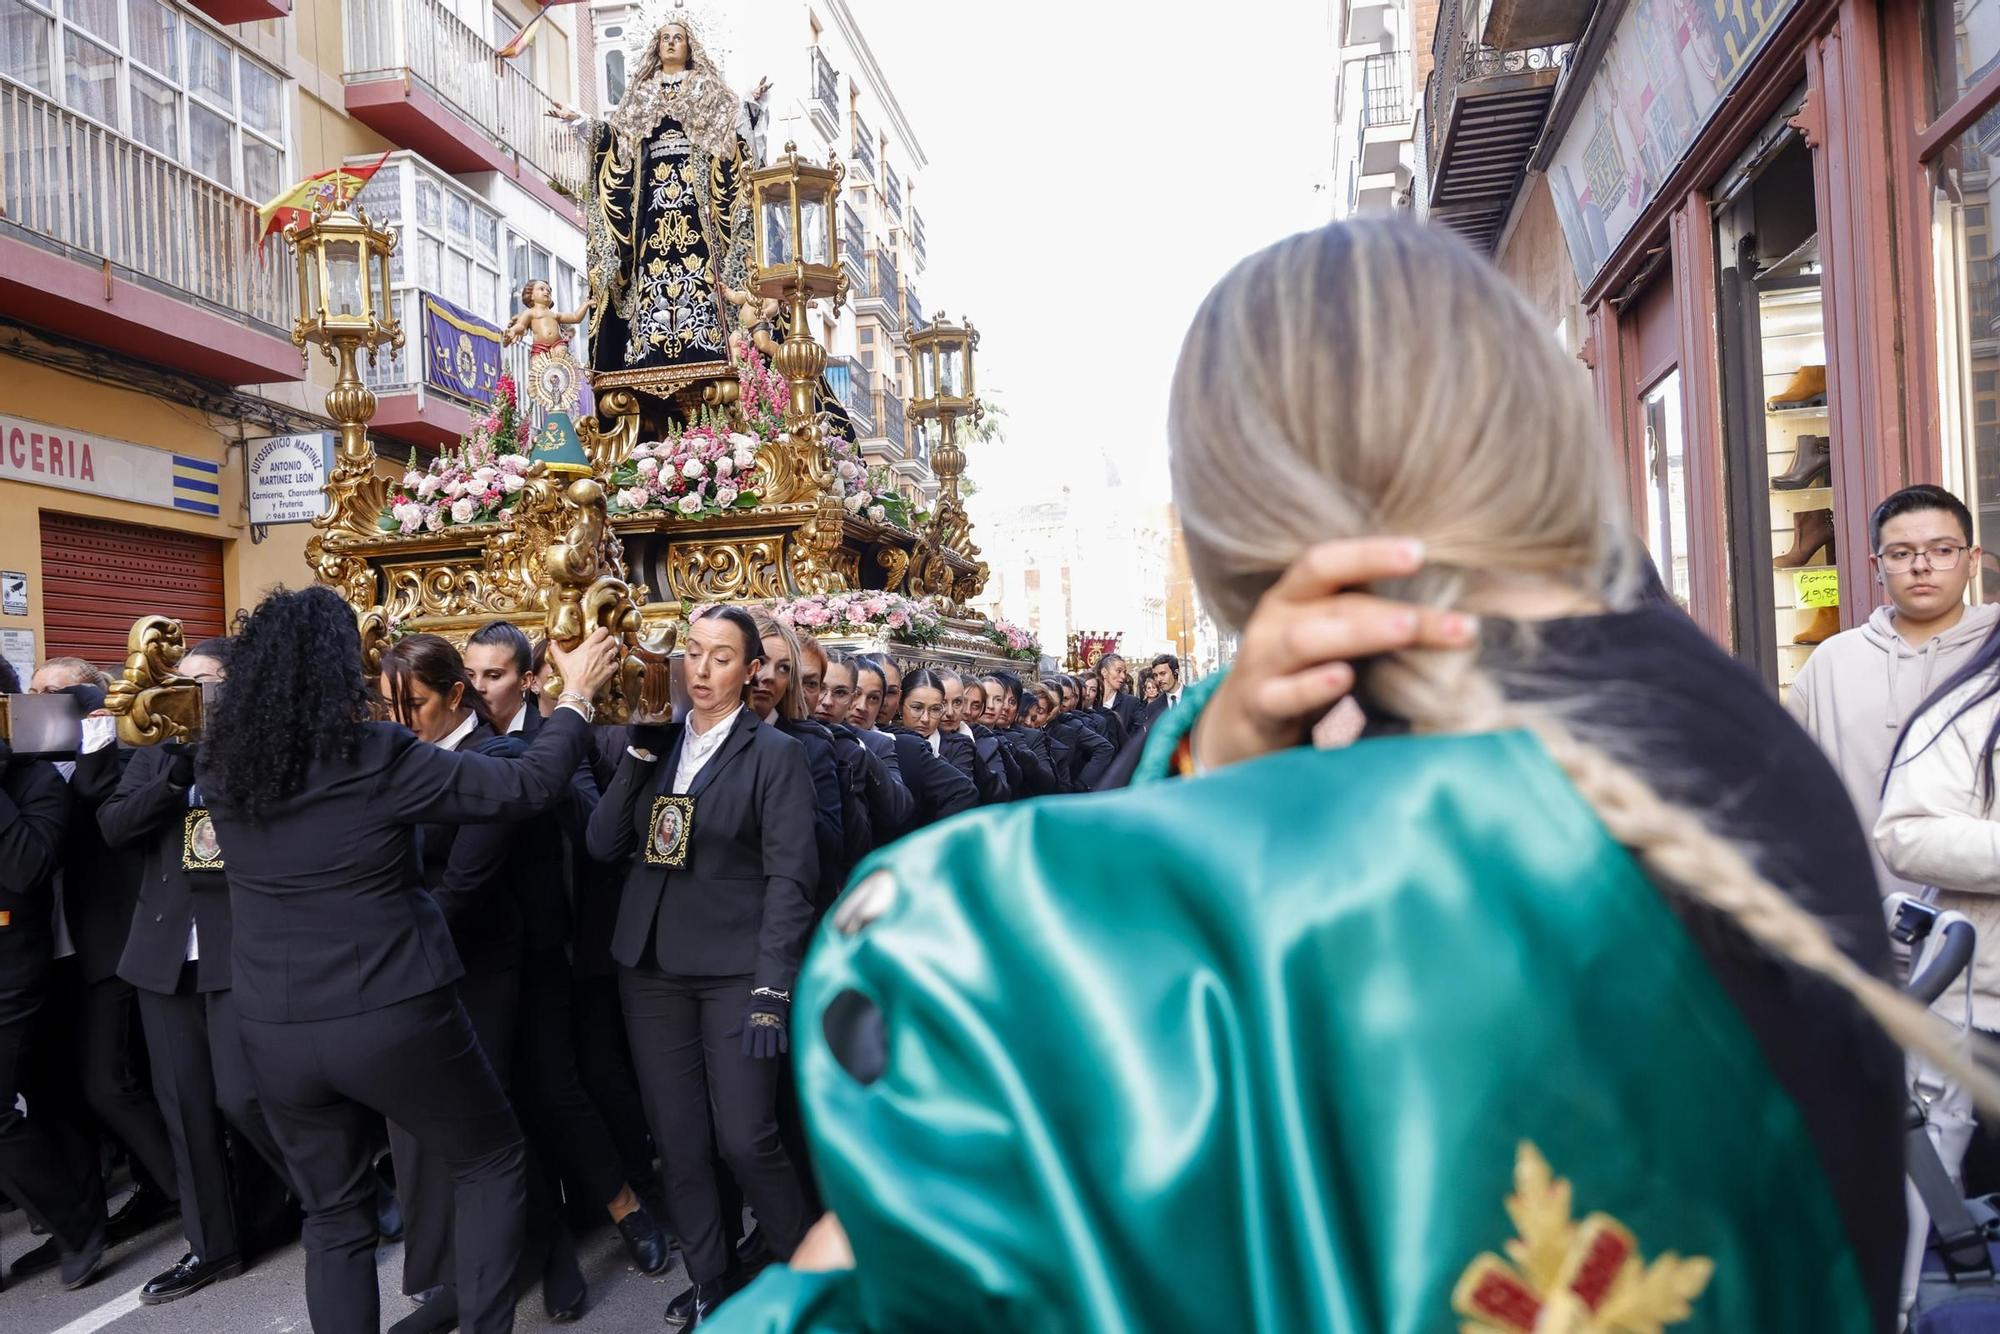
point(270, 1298)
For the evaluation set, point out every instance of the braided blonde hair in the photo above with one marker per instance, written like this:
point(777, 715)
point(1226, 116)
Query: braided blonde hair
point(1378, 377)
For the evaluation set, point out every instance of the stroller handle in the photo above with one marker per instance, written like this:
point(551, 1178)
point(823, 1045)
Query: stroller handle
point(1953, 954)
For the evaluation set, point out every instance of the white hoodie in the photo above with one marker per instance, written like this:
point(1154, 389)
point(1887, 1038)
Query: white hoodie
point(1935, 829)
point(1860, 687)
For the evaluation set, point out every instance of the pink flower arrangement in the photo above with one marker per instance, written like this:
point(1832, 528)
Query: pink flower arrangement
point(476, 482)
point(904, 619)
point(706, 470)
point(763, 394)
point(1019, 642)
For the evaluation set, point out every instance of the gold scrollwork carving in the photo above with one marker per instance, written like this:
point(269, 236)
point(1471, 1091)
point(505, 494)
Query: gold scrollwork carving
point(724, 571)
point(610, 437)
point(150, 699)
point(896, 563)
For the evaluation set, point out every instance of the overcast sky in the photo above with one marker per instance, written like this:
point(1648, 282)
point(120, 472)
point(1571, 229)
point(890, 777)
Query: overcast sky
point(1095, 166)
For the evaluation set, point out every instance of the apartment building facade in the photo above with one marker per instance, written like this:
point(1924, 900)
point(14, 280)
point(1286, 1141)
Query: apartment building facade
point(145, 351)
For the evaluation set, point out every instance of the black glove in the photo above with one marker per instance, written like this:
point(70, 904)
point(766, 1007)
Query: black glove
point(180, 768)
point(90, 696)
point(766, 1025)
point(656, 739)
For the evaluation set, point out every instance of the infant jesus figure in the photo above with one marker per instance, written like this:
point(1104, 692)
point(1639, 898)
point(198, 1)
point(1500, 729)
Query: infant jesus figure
point(554, 378)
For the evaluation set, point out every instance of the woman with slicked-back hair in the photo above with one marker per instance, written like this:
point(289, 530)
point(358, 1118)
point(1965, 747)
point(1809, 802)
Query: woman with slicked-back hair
point(1539, 1004)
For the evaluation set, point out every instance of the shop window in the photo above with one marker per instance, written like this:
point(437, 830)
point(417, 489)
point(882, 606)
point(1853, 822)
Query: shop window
point(1666, 485)
point(1778, 433)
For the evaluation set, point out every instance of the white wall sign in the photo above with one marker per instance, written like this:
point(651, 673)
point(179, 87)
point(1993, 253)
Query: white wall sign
point(18, 648)
point(14, 592)
point(45, 455)
point(288, 477)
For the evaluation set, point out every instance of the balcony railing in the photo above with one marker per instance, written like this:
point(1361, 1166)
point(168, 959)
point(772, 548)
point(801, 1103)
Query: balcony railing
point(1484, 109)
point(1385, 89)
point(864, 151)
point(917, 235)
point(892, 418)
point(849, 381)
point(825, 94)
point(103, 197)
point(887, 287)
point(422, 39)
point(916, 310)
point(892, 191)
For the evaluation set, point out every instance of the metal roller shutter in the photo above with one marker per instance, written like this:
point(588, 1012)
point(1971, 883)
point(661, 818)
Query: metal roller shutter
point(98, 577)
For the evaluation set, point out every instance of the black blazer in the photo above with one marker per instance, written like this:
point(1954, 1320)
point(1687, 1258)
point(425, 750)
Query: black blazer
point(1090, 753)
point(743, 902)
point(544, 879)
point(326, 889)
point(829, 820)
point(148, 813)
point(891, 808)
point(471, 871)
point(598, 885)
point(1031, 752)
point(938, 789)
point(100, 882)
point(1129, 710)
point(34, 809)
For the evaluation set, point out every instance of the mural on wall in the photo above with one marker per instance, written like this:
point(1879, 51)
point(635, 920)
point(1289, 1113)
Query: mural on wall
point(1666, 68)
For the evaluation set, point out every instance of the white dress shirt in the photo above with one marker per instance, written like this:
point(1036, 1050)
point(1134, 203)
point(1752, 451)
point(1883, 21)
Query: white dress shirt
point(520, 720)
point(936, 740)
point(460, 733)
point(698, 748)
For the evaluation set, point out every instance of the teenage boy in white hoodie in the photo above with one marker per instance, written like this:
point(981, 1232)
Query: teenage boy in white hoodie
point(1860, 687)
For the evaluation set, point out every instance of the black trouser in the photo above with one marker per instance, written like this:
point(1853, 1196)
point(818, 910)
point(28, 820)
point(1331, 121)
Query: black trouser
point(202, 1081)
point(104, 1040)
point(604, 1063)
point(687, 1044)
point(558, 1115)
point(417, 1063)
point(423, 1171)
point(48, 1163)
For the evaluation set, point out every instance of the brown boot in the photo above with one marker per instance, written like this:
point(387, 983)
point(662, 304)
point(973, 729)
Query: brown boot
point(1812, 530)
point(1824, 625)
point(1807, 390)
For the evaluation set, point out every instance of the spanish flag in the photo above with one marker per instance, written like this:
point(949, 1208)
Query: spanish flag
point(334, 187)
point(520, 40)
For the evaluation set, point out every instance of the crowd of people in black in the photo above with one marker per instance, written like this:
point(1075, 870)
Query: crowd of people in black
point(427, 957)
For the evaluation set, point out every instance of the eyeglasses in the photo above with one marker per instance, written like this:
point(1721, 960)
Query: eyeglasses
point(1940, 555)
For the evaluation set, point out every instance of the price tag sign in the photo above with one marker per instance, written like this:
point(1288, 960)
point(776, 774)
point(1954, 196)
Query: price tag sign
point(1817, 588)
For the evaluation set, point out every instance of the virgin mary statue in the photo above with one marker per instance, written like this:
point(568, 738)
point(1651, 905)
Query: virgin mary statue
point(666, 209)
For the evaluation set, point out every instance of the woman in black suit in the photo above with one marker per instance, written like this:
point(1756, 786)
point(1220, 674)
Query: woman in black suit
point(343, 964)
point(715, 815)
point(473, 872)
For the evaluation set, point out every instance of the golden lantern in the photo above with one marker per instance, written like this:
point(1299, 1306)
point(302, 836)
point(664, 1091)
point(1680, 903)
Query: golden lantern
point(345, 305)
point(941, 366)
point(797, 261)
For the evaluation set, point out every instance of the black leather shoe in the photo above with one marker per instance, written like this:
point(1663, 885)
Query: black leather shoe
point(644, 1241)
point(697, 1302)
point(563, 1289)
point(437, 1309)
point(79, 1267)
point(190, 1274)
point(45, 1256)
point(144, 1208)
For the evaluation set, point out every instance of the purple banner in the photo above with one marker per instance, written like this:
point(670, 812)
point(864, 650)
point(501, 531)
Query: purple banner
point(461, 351)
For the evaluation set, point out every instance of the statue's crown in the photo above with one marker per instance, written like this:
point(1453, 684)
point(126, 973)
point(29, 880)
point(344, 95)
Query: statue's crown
point(707, 21)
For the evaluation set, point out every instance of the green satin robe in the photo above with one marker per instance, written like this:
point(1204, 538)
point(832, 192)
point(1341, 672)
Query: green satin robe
point(1260, 1050)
